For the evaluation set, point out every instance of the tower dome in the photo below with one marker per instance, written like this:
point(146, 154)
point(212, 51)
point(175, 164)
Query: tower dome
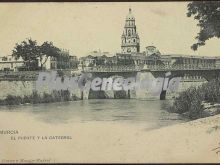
point(130, 15)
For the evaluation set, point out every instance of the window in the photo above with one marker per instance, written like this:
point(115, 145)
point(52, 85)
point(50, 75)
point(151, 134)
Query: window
point(4, 59)
point(129, 32)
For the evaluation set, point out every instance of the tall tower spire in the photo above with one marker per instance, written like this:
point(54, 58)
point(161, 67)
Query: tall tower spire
point(130, 39)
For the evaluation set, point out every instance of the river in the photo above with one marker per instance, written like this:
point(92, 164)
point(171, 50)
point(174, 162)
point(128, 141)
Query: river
point(152, 113)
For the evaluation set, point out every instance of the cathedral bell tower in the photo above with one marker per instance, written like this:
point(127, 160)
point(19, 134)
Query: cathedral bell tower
point(130, 42)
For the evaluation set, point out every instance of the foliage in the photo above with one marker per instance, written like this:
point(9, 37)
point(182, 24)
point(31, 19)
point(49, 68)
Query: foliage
point(208, 15)
point(30, 52)
point(190, 101)
point(35, 98)
point(12, 100)
point(49, 50)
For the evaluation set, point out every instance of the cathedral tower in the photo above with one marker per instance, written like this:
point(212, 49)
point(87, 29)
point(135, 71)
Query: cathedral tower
point(130, 42)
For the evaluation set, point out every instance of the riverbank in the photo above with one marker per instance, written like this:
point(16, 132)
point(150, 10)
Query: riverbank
point(193, 101)
point(36, 98)
point(112, 142)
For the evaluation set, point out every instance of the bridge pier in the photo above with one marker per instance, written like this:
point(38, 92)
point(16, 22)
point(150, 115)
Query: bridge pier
point(81, 98)
point(121, 94)
point(163, 95)
point(97, 94)
point(129, 95)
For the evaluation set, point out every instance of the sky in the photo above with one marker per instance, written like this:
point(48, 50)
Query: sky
point(85, 27)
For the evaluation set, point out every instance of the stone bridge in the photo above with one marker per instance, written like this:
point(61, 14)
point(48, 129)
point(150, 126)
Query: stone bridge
point(206, 72)
point(111, 72)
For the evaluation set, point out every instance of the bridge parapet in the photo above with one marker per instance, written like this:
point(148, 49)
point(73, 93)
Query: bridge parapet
point(149, 68)
point(113, 69)
point(180, 67)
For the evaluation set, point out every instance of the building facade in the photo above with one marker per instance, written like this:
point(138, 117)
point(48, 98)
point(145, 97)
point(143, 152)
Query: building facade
point(49, 63)
point(179, 61)
point(9, 63)
point(66, 61)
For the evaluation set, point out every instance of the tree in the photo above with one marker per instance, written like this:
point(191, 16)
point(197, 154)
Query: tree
point(208, 15)
point(28, 51)
point(47, 49)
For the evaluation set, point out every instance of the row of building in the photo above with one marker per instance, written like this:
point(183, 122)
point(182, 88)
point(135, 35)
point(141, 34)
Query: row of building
point(148, 59)
point(151, 57)
point(130, 55)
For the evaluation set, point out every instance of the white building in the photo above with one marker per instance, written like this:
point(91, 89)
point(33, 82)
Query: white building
point(10, 63)
point(48, 62)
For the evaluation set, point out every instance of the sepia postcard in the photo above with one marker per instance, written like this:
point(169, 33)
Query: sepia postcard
point(113, 82)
